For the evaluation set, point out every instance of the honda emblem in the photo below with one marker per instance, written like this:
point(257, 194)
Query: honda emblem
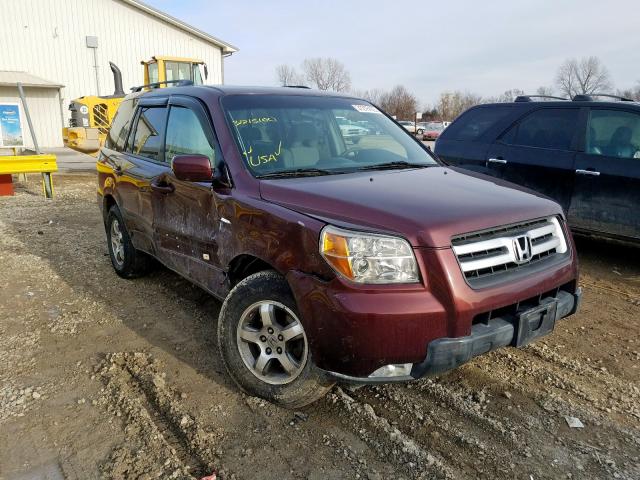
point(522, 249)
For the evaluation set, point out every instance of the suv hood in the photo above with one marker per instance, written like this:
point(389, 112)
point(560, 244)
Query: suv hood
point(427, 206)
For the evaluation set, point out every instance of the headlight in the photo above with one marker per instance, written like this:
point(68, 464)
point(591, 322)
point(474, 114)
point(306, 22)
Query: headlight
point(368, 258)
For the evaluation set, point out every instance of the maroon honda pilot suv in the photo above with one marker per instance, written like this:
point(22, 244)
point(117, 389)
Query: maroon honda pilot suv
point(361, 261)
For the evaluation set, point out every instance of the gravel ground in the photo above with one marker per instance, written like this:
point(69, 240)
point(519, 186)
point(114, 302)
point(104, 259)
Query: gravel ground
point(103, 377)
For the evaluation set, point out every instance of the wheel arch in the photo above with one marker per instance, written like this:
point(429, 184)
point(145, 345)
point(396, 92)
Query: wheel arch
point(108, 201)
point(245, 264)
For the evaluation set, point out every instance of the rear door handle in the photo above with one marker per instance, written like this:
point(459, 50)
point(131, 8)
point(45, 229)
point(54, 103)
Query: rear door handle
point(593, 173)
point(165, 188)
point(117, 170)
point(497, 160)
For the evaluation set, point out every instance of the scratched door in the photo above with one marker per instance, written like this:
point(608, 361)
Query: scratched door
point(186, 217)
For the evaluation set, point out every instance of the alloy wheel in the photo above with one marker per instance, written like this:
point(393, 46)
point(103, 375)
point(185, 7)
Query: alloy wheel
point(272, 342)
point(117, 242)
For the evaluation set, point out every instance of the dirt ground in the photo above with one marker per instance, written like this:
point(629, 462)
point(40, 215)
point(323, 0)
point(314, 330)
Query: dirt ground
point(107, 378)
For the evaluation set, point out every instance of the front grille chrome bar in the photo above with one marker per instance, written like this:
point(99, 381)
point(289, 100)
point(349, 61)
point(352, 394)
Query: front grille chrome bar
point(495, 251)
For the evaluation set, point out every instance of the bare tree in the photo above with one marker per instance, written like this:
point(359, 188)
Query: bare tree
point(507, 96)
point(583, 77)
point(399, 102)
point(374, 96)
point(632, 93)
point(452, 104)
point(327, 74)
point(287, 75)
point(429, 113)
point(548, 91)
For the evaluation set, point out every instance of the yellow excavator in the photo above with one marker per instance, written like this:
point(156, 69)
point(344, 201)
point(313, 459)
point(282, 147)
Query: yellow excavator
point(91, 116)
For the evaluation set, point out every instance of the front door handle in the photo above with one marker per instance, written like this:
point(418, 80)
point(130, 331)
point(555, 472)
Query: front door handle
point(593, 173)
point(164, 188)
point(497, 160)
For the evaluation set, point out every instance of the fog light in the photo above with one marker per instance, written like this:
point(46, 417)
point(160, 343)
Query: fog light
point(393, 370)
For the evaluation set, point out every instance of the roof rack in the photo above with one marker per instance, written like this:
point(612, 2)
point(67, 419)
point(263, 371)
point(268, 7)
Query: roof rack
point(527, 98)
point(589, 98)
point(176, 83)
point(297, 86)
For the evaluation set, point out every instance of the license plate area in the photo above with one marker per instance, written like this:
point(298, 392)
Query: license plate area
point(535, 322)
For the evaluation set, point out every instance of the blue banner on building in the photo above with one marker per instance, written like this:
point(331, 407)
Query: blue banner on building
point(11, 132)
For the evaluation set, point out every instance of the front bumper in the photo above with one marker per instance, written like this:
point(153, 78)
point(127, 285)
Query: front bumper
point(355, 330)
point(445, 354)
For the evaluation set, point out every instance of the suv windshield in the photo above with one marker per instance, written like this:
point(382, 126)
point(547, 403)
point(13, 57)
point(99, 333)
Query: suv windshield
point(312, 135)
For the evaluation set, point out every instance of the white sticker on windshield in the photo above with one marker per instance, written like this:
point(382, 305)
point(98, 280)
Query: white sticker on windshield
point(366, 109)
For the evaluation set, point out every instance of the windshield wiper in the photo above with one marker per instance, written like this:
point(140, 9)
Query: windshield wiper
point(297, 172)
point(393, 165)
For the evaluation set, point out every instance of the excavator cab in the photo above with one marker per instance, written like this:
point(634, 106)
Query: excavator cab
point(91, 116)
point(167, 69)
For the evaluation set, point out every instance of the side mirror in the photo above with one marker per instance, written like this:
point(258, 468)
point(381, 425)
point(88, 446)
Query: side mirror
point(192, 168)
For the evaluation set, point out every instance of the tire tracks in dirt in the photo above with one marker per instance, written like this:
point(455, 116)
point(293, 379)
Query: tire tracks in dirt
point(592, 389)
point(475, 436)
point(389, 441)
point(177, 447)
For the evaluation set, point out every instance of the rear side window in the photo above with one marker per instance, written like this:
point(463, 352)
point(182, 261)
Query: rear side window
point(473, 123)
point(546, 128)
point(186, 135)
point(147, 140)
point(614, 133)
point(117, 136)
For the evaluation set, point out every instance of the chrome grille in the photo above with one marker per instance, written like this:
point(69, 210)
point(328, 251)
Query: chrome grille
point(490, 254)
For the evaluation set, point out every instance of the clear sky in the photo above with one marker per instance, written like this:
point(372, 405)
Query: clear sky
point(485, 47)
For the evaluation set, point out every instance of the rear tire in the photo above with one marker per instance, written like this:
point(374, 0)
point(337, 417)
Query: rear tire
point(125, 259)
point(264, 346)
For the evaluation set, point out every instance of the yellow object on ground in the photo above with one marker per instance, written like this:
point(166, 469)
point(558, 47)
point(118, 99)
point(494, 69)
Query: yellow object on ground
point(45, 164)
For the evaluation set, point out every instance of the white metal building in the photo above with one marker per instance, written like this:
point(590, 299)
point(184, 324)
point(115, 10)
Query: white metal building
point(48, 39)
point(42, 96)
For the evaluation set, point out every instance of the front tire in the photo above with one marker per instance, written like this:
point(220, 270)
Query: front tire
point(264, 345)
point(125, 259)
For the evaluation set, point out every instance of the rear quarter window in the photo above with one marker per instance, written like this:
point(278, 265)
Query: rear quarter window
point(472, 124)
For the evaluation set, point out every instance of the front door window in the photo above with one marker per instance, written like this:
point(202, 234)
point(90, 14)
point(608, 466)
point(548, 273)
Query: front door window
point(185, 135)
point(551, 128)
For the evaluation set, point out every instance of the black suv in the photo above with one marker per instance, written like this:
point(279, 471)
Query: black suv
point(585, 154)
